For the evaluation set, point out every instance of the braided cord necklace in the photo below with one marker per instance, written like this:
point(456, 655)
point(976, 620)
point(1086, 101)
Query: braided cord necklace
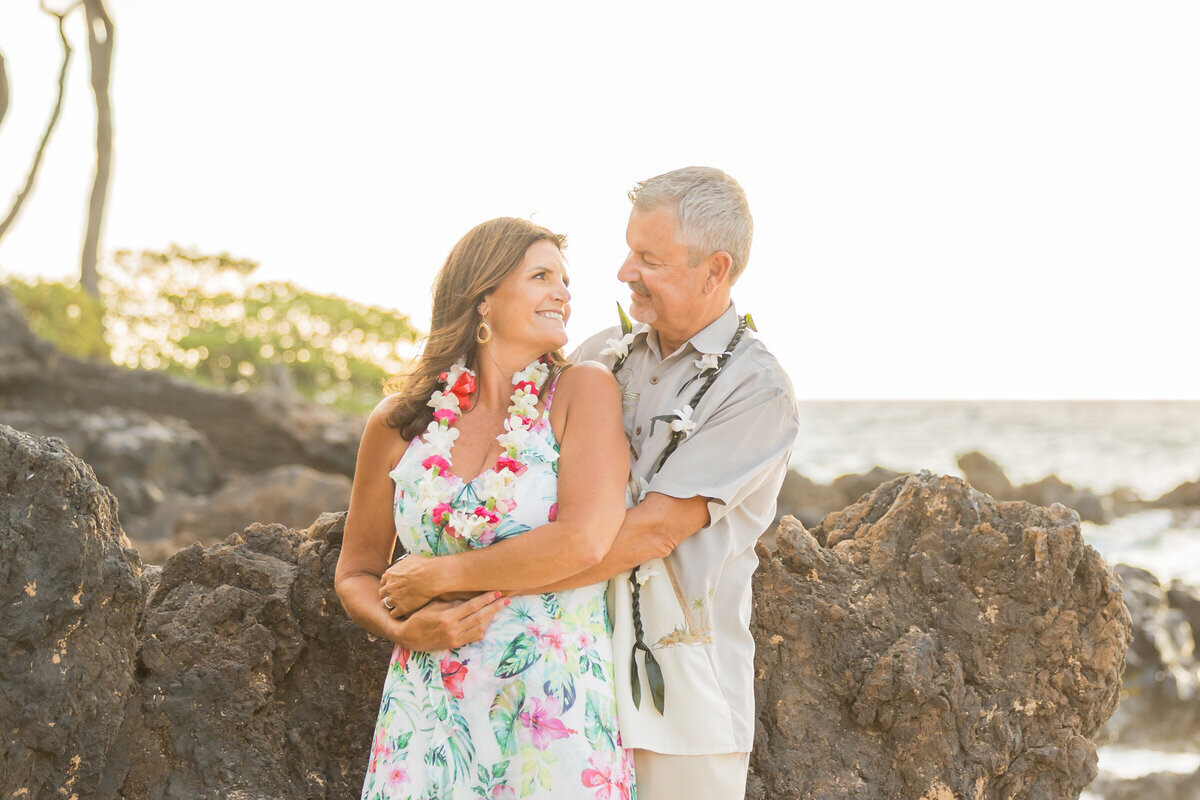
point(681, 428)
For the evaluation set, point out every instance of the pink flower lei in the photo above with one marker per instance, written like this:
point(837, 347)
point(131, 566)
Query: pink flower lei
point(435, 490)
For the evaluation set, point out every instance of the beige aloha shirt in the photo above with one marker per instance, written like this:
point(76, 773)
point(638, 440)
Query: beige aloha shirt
point(696, 602)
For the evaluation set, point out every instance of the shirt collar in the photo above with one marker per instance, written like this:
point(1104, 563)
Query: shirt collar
point(715, 338)
point(712, 339)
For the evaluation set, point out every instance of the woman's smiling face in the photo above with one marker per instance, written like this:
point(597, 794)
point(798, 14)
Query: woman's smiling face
point(530, 307)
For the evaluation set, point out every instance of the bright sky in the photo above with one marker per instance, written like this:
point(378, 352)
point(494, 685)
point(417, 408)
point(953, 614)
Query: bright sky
point(952, 199)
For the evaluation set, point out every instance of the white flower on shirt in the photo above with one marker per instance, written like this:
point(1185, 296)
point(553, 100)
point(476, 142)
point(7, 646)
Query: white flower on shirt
point(618, 347)
point(683, 423)
point(708, 361)
point(645, 574)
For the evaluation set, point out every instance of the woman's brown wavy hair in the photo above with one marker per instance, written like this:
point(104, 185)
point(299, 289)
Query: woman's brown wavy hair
point(475, 267)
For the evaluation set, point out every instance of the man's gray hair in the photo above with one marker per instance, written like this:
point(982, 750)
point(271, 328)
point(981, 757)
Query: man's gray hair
point(712, 208)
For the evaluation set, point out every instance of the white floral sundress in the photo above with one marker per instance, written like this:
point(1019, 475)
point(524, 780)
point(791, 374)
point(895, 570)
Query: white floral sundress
point(529, 710)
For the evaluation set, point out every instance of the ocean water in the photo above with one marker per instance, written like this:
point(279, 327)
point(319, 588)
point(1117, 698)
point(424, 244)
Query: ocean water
point(1148, 446)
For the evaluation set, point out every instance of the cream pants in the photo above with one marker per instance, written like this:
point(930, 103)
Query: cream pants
point(709, 777)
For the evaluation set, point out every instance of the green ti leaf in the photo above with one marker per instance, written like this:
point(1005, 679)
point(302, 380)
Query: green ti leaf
point(626, 324)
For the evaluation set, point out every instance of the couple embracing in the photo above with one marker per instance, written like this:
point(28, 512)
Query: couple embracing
point(573, 620)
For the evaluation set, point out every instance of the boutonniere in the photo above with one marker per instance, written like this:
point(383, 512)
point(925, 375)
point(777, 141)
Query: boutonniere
point(619, 348)
point(709, 361)
point(681, 421)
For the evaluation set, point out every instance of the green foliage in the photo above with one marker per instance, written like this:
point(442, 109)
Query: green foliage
point(201, 317)
point(63, 313)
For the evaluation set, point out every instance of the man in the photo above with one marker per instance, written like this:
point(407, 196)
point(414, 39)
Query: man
point(699, 510)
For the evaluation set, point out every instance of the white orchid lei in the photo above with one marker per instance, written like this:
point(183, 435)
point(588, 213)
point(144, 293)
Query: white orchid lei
point(435, 490)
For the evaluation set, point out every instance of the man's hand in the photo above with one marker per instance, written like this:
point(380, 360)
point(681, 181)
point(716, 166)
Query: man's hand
point(407, 585)
point(446, 624)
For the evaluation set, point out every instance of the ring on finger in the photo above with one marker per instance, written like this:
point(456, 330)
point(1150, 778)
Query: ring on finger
point(388, 605)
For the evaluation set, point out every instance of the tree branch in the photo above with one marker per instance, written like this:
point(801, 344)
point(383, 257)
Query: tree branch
point(37, 158)
point(100, 48)
point(3, 90)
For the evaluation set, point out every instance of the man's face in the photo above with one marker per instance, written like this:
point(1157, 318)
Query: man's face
point(667, 293)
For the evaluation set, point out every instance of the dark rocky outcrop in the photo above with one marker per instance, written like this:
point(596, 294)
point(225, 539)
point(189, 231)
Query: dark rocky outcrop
point(1161, 702)
point(924, 642)
point(1155, 786)
point(291, 495)
point(1185, 494)
point(251, 432)
point(809, 502)
point(988, 477)
point(252, 681)
point(70, 596)
point(141, 459)
point(929, 642)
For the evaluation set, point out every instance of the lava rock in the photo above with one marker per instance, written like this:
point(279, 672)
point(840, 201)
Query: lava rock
point(1160, 706)
point(809, 502)
point(141, 459)
point(1186, 494)
point(931, 642)
point(69, 601)
point(291, 495)
point(252, 680)
point(988, 477)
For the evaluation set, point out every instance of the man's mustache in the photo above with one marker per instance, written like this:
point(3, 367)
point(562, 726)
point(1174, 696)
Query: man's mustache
point(638, 287)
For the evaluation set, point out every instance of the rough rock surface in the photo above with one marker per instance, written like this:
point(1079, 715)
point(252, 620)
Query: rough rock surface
point(69, 601)
point(141, 459)
point(291, 495)
point(809, 502)
point(924, 642)
point(1161, 702)
point(929, 642)
point(988, 477)
point(252, 681)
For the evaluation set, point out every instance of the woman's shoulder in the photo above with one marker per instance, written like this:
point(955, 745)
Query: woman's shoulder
point(380, 426)
point(588, 384)
point(585, 376)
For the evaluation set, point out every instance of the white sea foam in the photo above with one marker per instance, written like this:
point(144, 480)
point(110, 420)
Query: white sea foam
point(1165, 542)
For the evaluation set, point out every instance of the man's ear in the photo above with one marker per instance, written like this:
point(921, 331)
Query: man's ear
point(718, 266)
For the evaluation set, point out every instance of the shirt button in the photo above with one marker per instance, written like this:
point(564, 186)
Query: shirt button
point(638, 431)
point(654, 379)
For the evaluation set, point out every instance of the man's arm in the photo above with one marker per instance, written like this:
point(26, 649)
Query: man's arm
point(706, 477)
point(652, 529)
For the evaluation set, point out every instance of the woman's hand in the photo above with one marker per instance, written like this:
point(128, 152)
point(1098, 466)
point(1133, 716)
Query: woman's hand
point(446, 624)
point(408, 584)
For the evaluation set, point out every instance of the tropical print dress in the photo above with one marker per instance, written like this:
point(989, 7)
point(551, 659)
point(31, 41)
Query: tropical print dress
point(528, 711)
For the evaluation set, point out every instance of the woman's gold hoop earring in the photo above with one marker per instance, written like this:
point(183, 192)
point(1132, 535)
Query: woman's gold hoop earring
point(483, 334)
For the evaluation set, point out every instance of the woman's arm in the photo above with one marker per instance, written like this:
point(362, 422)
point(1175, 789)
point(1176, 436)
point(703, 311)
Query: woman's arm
point(593, 469)
point(367, 548)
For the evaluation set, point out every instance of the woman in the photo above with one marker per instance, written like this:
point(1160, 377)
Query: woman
point(497, 696)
